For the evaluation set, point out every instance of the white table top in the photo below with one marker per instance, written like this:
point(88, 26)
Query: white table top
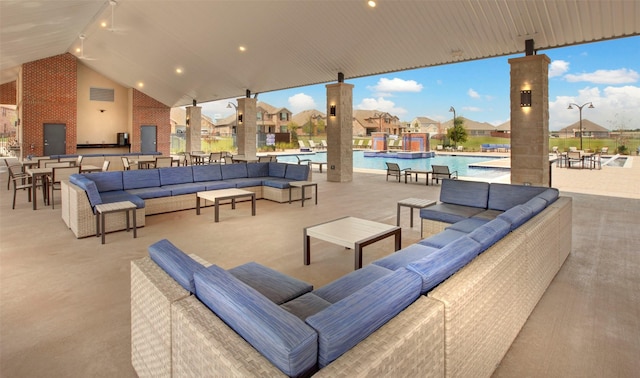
point(348, 231)
point(211, 195)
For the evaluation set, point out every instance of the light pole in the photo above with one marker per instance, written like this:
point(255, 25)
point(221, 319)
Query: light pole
point(452, 109)
point(580, 111)
point(231, 104)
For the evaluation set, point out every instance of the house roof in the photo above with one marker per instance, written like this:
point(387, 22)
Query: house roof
point(587, 125)
point(305, 115)
point(470, 124)
point(148, 41)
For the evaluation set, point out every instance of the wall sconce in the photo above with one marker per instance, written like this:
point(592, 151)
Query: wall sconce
point(102, 110)
point(187, 120)
point(239, 118)
point(332, 110)
point(525, 99)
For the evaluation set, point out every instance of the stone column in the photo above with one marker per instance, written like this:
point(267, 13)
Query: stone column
point(530, 124)
point(246, 134)
point(194, 127)
point(340, 132)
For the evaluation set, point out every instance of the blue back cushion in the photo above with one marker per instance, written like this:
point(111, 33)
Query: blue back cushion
point(344, 324)
point(175, 262)
point(405, 256)
point(258, 169)
point(536, 204)
point(106, 181)
point(141, 178)
point(277, 169)
point(231, 171)
point(489, 233)
point(276, 286)
point(207, 172)
point(516, 215)
point(297, 172)
point(438, 266)
point(350, 283)
point(550, 195)
point(505, 196)
point(279, 336)
point(175, 175)
point(89, 187)
point(467, 193)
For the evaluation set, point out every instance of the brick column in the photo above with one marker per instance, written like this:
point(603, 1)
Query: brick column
point(246, 134)
point(340, 132)
point(530, 125)
point(194, 127)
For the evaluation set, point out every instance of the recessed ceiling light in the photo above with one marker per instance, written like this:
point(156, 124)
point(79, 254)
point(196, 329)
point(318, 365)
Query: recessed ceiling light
point(140, 84)
point(178, 70)
point(371, 3)
point(78, 49)
point(242, 48)
point(103, 24)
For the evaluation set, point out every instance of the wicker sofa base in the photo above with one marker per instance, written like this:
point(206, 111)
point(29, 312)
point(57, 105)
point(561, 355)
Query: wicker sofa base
point(463, 327)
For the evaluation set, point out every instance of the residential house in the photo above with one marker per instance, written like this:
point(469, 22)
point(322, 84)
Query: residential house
point(310, 122)
point(590, 130)
point(503, 130)
point(272, 119)
point(426, 125)
point(474, 128)
point(370, 121)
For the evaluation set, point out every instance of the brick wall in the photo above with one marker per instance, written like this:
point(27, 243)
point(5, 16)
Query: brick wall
point(150, 112)
point(49, 90)
point(8, 93)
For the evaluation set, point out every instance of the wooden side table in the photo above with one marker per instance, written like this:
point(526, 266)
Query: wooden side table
point(303, 185)
point(413, 203)
point(114, 207)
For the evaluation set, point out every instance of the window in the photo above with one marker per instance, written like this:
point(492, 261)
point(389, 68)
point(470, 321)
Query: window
point(284, 116)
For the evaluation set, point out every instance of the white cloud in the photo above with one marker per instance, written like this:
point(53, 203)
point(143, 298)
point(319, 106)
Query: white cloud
point(614, 107)
point(385, 85)
point(558, 68)
point(381, 104)
point(472, 108)
point(300, 102)
point(620, 76)
point(472, 93)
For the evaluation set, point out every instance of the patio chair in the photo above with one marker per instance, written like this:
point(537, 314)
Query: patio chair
point(302, 146)
point(18, 170)
point(215, 158)
point(58, 174)
point(460, 148)
point(79, 160)
point(163, 161)
point(573, 158)
point(105, 165)
point(312, 144)
point(439, 147)
point(394, 170)
point(439, 172)
point(300, 161)
point(20, 182)
point(324, 144)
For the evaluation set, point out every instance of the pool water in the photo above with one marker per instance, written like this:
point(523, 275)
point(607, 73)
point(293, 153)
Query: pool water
point(458, 163)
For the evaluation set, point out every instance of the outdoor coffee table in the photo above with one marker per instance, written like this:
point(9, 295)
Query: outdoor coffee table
point(350, 232)
point(413, 203)
point(216, 196)
point(418, 172)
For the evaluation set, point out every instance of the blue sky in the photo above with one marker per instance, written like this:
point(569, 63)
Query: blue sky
point(605, 73)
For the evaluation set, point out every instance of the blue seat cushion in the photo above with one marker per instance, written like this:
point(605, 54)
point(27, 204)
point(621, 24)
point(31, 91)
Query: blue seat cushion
point(350, 283)
point(232, 171)
point(465, 193)
point(258, 169)
point(405, 256)
point(281, 183)
point(154, 192)
point(277, 287)
point(344, 324)
point(187, 188)
point(281, 337)
point(277, 169)
point(505, 196)
point(89, 186)
point(305, 305)
point(106, 181)
point(516, 216)
point(176, 263)
point(207, 172)
point(299, 172)
point(141, 178)
point(438, 266)
point(550, 195)
point(443, 238)
point(468, 225)
point(175, 175)
point(244, 182)
point(215, 185)
point(449, 213)
point(488, 234)
point(121, 195)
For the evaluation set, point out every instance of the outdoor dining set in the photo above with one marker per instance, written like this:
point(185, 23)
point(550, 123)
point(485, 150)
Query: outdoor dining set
point(575, 158)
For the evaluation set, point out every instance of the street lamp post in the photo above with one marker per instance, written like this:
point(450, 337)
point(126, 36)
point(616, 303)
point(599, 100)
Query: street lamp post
point(580, 111)
point(452, 109)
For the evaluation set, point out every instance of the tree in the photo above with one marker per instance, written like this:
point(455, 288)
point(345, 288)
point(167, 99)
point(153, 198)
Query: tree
point(293, 127)
point(457, 134)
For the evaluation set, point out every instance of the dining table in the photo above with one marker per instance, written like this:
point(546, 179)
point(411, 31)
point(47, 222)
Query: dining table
point(86, 168)
point(35, 174)
point(144, 161)
point(199, 158)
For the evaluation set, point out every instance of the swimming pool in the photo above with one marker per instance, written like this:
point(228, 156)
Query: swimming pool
point(458, 163)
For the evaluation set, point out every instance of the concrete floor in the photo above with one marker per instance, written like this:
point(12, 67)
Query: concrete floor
point(64, 302)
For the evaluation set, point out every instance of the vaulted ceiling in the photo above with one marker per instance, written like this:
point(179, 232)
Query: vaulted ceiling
point(288, 43)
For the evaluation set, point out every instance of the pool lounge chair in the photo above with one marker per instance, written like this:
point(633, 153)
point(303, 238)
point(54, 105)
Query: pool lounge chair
point(303, 147)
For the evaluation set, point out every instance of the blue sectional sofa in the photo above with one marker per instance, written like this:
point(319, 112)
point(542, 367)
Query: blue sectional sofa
point(449, 305)
point(169, 189)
